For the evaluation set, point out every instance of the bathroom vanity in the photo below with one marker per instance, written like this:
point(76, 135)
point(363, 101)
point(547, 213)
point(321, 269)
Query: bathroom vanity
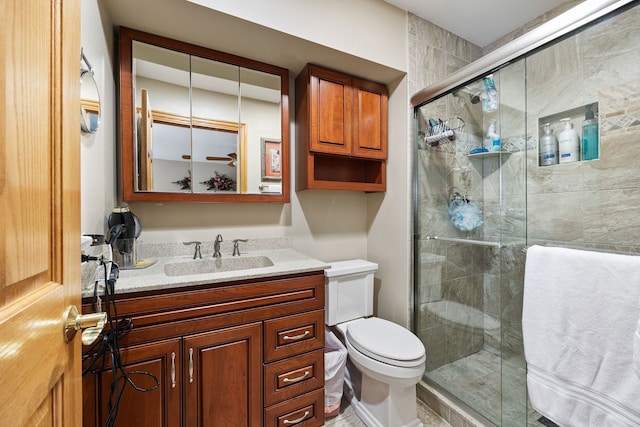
point(235, 348)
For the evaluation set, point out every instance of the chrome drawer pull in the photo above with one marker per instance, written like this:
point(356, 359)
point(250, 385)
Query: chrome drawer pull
point(295, 337)
point(190, 365)
point(297, 420)
point(173, 370)
point(295, 380)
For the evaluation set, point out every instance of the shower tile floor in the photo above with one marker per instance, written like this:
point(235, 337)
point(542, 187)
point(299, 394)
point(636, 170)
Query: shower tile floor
point(476, 380)
point(348, 418)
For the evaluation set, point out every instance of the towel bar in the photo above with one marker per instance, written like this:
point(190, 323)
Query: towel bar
point(467, 241)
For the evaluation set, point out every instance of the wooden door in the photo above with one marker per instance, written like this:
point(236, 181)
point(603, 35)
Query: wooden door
point(40, 377)
point(145, 127)
point(223, 377)
point(158, 407)
point(369, 120)
point(331, 111)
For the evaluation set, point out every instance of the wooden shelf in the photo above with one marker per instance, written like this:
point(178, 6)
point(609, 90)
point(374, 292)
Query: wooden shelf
point(343, 173)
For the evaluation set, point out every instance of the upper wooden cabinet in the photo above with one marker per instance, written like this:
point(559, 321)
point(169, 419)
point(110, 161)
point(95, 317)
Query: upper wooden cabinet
point(342, 131)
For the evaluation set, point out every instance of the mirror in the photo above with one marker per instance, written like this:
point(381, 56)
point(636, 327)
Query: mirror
point(194, 124)
point(89, 98)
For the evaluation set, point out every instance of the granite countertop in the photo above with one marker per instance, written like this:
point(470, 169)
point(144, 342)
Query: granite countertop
point(153, 278)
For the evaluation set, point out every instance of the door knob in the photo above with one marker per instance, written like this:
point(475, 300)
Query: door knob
point(91, 323)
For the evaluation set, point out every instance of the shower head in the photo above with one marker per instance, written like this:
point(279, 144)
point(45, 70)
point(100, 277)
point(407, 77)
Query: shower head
point(474, 94)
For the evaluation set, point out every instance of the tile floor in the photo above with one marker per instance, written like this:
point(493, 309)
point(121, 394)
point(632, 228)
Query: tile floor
point(348, 418)
point(493, 386)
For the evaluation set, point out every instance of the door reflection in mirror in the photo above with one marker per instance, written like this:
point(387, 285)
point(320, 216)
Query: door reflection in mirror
point(195, 121)
point(232, 101)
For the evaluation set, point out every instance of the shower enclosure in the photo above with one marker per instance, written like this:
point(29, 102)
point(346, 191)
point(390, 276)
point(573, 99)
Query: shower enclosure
point(476, 210)
point(467, 281)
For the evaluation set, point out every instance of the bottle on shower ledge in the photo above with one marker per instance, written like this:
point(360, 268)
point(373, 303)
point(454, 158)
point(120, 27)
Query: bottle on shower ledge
point(548, 150)
point(492, 139)
point(590, 135)
point(568, 143)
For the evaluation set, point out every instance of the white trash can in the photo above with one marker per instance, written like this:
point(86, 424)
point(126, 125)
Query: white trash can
point(335, 362)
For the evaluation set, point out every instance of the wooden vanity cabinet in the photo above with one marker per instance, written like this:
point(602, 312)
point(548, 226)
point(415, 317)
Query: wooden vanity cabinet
point(242, 354)
point(342, 131)
point(158, 407)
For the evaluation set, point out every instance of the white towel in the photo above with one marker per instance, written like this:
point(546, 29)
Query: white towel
point(636, 351)
point(579, 318)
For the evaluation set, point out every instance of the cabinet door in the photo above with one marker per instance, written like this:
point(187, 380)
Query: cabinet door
point(331, 112)
point(223, 377)
point(370, 120)
point(158, 407)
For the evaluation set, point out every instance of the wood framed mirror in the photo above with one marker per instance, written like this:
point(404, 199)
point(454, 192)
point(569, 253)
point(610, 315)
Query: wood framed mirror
point(193, 122)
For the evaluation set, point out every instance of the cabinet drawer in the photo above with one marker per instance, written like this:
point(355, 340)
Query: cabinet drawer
point(291, 377)
point(304, 411)
point(292, 335)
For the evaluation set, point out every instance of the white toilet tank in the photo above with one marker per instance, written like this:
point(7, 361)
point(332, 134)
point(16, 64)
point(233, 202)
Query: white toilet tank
point(348, 290)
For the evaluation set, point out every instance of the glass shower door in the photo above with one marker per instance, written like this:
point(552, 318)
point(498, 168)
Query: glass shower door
point(469, 230)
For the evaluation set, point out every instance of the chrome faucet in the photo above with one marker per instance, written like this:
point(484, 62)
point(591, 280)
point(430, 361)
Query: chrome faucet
point(236, 249)
point(197, 253)
point(216, 246)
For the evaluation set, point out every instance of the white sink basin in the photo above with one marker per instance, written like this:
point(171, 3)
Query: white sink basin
point(213, 265)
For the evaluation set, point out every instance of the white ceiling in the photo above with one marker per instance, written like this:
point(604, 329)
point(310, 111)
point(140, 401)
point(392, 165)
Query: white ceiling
point(480, 22)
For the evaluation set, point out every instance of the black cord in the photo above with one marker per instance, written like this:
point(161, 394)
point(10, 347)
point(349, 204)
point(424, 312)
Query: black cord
point(97, 356)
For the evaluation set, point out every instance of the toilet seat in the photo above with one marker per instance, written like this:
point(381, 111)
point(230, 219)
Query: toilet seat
point(386, 342)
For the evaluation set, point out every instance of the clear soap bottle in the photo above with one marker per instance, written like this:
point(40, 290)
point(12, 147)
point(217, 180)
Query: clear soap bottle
point(590, 135)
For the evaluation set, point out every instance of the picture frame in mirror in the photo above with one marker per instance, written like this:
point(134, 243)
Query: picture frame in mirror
point(271, 159)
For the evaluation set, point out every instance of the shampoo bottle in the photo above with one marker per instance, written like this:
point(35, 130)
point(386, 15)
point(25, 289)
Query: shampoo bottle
point(589, 135)
point(492, 139)
point(568, 144)
point(548, 150)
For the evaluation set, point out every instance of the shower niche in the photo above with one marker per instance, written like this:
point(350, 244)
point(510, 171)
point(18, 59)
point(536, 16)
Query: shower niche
point(569, 136)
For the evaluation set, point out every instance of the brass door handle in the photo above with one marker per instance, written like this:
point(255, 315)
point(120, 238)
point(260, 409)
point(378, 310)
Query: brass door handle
point(91, 323)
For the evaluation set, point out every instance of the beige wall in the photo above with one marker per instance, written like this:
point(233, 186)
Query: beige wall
point(329, 225)
point(98, 158)
point(364, 28)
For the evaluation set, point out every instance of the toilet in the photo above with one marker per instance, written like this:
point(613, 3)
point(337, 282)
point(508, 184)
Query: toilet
point(385, 361)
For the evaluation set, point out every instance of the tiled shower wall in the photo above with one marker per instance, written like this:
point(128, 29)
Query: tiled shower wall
point(584, 205)
point(590, 204)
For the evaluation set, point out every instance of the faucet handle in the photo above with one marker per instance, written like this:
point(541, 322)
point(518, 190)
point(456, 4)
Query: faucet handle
point(216, 246)
point(236, 249)
point(197, 253)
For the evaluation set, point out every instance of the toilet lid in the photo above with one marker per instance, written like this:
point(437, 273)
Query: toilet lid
point(386, 341)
